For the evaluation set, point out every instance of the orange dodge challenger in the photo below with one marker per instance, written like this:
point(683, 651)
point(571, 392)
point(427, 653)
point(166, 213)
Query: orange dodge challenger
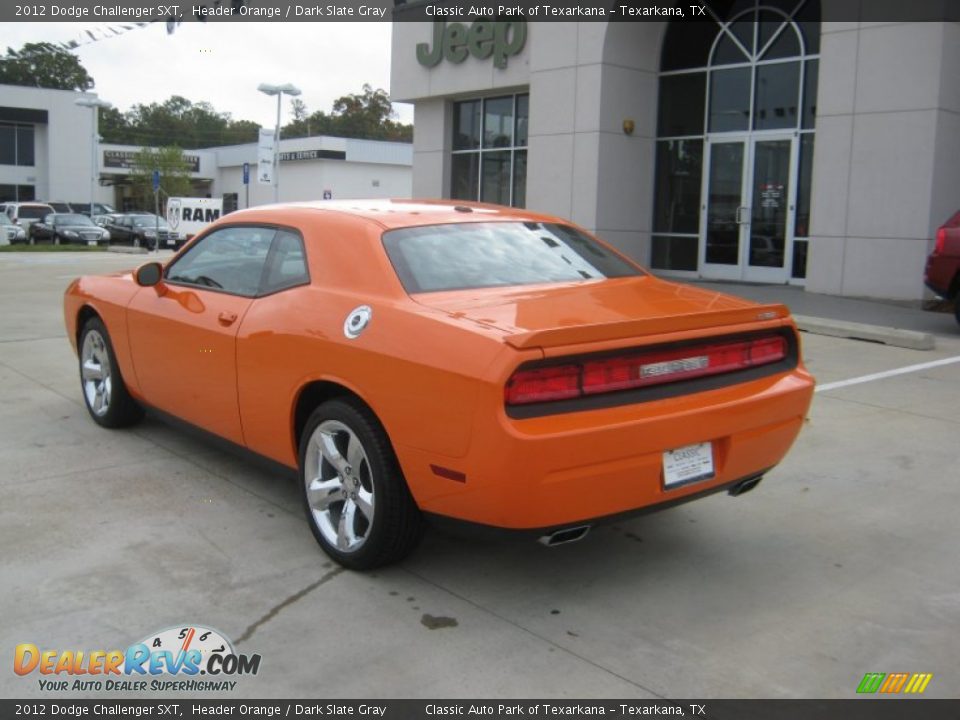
point(462, 361)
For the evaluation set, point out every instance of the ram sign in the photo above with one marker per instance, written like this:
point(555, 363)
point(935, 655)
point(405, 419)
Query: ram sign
point(188, 216)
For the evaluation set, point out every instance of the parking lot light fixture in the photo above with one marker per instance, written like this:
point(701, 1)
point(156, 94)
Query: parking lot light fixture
point(93, 103)
point(279, 91)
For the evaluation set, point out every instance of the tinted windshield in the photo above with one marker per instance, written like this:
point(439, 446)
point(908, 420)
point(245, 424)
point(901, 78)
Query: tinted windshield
point(475, 255)
point(146, 221)
point(71, 219)
point(33, 212)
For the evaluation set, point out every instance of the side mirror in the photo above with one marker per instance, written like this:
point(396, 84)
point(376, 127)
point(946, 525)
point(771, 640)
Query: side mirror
point(149, 275)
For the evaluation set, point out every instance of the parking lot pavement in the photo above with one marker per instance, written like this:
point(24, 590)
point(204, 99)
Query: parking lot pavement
point(842, 562)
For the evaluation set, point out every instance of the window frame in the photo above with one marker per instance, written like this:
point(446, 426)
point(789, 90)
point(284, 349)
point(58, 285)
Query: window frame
point(261, 291)
point(17, 129)
point(809, 53)
point(483, 149)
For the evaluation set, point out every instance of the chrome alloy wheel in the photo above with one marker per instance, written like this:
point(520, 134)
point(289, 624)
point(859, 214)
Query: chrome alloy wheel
point(95, 372)
point(339, 485)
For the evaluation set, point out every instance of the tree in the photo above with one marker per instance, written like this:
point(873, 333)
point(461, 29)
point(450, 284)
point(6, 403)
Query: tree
point(174, 174)
point(177, 121)
point(367, 115)
point(44, 65)
point(299, 109)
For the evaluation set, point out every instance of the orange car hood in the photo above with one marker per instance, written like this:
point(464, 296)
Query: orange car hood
point(552, 315)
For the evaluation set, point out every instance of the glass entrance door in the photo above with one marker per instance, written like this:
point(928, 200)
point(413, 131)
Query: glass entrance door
point(749, 208)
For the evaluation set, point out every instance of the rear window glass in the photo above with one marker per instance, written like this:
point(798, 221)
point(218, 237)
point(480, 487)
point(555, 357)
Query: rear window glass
point(34, 212)
point(476, 255)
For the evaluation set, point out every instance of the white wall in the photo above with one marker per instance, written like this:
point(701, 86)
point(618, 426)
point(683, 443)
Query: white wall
point(62, 147)
point(885, 161)
point(371, 169)
point(306, 180)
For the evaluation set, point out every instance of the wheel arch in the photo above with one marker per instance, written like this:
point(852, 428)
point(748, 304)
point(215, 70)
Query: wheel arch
point(315, 393)
point(84, 315)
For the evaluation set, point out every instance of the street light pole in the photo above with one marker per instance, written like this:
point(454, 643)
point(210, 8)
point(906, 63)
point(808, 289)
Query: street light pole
point(93, 104)
point(277, 90)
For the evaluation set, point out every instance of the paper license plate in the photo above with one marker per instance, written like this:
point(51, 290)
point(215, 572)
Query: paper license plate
point(689, 464)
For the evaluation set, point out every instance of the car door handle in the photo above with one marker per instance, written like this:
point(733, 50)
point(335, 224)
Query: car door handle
point(227, 318)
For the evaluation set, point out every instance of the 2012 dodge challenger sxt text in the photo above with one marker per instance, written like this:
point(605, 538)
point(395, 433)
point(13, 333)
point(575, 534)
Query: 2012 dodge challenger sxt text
point(427, 358)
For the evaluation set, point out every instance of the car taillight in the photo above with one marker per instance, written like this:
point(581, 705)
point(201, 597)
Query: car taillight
point(552, 383)
point(639, 370)
point(941, 241)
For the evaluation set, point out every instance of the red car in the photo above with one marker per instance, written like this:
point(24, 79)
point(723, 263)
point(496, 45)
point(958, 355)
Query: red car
point(942, 274)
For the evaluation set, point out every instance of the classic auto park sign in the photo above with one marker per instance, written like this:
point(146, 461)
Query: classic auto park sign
point(456, 41)
point(125, 160)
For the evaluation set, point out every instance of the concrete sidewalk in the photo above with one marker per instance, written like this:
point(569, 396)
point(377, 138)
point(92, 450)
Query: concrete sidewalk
point(869, 312)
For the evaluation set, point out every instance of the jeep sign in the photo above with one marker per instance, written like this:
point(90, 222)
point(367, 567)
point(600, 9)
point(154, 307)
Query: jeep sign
point(480, 39)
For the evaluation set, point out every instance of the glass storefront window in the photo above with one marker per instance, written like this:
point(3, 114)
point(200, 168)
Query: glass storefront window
point(523, 119)
point(489, 160)
point(496, 184)
point(466, 125)
point(25, 145)
point(758, 59)
point(8, 145)
point(779, 35)
point(775, 96)
point(498, 122)
point(730, 100)
point(520, 178)
point(677, 183)
point(674, 253)
point(465, 176)
point(687, 45)
point(680, 110)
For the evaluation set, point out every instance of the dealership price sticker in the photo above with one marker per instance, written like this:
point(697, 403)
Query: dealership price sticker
point(691, 463)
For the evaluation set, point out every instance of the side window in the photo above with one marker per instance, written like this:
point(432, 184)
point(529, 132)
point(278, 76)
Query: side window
point(287, 266)
point(231, 259)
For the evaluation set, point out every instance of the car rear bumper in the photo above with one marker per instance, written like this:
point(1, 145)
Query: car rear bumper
point(939, 273)
point(561, 470)
point(480, 531)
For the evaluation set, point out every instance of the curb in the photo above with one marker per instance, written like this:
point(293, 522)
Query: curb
point(127, 249)
point(895, 337)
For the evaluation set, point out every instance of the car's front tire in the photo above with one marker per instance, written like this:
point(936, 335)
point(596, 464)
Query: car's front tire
point(104, 392)
point(356, 499)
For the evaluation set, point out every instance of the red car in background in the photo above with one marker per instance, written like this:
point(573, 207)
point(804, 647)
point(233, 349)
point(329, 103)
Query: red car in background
point(942, 274)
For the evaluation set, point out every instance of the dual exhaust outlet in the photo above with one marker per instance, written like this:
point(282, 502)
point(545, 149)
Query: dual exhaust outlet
point(566, 536)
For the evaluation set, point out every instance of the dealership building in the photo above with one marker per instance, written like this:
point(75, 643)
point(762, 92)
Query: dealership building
point(48, 152)
point(769, 144)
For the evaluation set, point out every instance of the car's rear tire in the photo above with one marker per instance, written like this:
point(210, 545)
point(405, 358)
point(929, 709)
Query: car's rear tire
point(104, 392)
point(356, 499)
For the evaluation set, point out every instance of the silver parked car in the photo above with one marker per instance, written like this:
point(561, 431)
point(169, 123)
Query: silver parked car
point(10, 232)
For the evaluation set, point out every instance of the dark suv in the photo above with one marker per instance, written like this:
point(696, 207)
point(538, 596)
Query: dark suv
point(942, 274)
point(143, 230)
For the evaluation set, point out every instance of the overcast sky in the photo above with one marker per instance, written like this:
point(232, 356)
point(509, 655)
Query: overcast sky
point(223, 62)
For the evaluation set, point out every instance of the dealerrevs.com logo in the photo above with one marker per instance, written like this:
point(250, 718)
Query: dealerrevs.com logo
point(189, 658)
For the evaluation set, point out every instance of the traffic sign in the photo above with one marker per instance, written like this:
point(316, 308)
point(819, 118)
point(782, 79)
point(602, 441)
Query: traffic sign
point(246, 173)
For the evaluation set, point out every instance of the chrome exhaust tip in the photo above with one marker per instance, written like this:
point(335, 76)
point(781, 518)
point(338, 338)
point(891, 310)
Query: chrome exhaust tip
point(565, 536)
point(745, 486)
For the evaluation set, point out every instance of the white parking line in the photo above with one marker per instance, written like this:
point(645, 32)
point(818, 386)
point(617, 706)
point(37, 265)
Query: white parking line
point(888, 373)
